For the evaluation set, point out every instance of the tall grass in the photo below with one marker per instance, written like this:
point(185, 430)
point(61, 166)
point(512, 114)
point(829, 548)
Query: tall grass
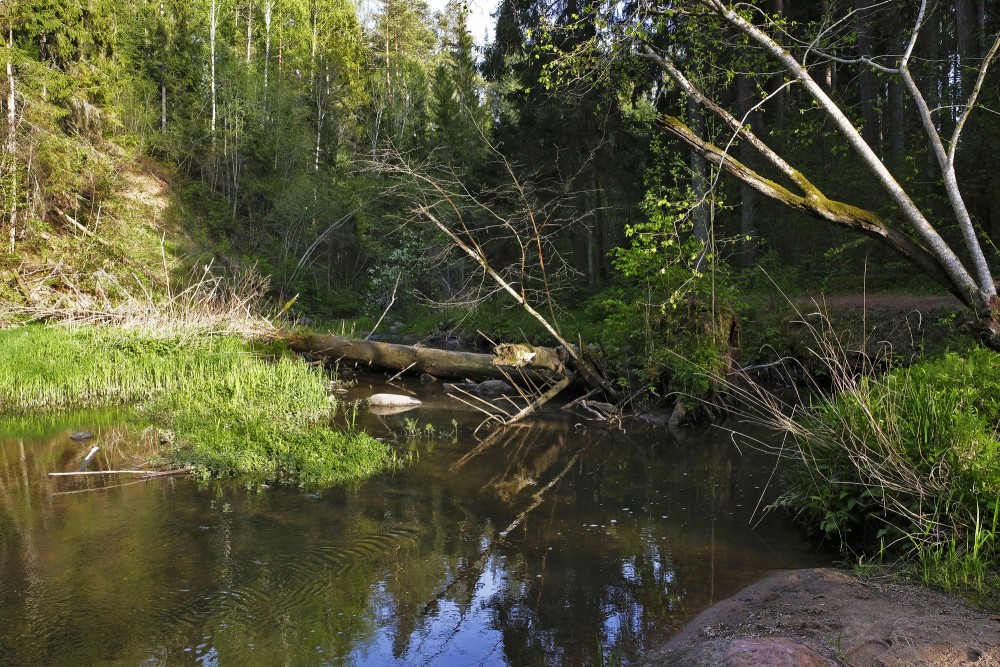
point(229, 409)
point(897, 461)
point(201, 303)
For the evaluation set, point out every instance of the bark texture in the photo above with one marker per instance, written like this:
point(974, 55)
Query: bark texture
point(537, 362)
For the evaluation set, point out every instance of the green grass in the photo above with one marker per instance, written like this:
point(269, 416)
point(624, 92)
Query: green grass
point(908, 462)
point(229, 410)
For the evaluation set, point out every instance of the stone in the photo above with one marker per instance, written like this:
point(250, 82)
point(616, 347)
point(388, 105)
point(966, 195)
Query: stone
point(80, 436)
point(745, 652)
point(392, 401)
point(494, 388)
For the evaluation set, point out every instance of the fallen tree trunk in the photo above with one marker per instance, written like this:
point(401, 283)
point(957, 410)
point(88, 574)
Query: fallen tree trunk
point(537, 363)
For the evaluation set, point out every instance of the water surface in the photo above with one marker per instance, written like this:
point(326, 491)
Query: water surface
point(561, 541)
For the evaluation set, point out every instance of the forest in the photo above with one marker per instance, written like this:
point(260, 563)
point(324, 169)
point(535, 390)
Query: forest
point(301, 134)
point(665, 183)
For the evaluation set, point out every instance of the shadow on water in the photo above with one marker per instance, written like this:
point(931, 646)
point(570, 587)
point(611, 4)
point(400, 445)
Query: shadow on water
point(558, 539)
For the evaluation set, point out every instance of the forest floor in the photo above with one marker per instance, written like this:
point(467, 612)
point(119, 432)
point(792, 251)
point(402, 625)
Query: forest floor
point(900, 302)
point(833, 617)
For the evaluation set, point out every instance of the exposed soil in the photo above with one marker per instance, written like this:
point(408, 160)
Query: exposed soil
point(832, 617)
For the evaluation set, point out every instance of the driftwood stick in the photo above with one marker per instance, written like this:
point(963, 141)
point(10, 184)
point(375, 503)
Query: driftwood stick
point(101, 488)
point(474, 399)
point(147, 473)
point(396, 376)
point(88, 458)
point(542, 400)
point(573, 403)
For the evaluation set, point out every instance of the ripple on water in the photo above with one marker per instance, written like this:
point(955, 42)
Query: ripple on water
point(292, 582)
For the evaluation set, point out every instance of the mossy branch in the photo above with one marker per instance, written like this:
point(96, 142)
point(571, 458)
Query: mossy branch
point(817, 205)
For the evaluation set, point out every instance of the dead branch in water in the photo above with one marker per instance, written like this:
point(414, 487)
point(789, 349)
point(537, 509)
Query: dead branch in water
point(145, 473)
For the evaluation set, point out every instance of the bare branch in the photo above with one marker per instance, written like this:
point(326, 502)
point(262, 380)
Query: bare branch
point(948, 260)
point(818, 206)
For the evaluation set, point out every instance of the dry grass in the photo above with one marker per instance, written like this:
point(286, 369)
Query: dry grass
point(902, 461)
point(206, 303)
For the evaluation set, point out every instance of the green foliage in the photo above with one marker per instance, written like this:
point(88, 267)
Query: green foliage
point(913, 454)
point(231, 412)
point(678, 313)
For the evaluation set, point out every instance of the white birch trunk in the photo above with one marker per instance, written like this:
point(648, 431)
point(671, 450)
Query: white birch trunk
point(249, 30)
point(211, 39)
point(268, 9)
point(12, 137)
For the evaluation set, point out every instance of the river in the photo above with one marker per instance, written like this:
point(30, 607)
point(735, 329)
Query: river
point(564, 542)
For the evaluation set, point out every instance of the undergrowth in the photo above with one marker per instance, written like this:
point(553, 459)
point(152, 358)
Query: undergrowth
point(228, 409)
point(902, 463)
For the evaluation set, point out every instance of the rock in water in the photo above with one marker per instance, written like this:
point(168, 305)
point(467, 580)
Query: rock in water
point(494, 388)
point(390, 410)
point(80, 436)
point(392, 400)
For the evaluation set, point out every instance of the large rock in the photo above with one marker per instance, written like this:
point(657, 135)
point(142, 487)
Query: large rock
point(392, 401)
point(746, 652)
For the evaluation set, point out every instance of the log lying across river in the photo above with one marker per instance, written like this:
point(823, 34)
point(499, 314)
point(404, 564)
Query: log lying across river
point(541, 362)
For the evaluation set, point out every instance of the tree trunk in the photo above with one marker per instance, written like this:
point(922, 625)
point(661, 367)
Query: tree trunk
point(268, 9)
point(777, 110)
point(508, 361)
point(749, 197)
point(867, 84)
point(968, 44)
point(699, 184)
point(12, 137)
point(249, 30)
point(211, 38)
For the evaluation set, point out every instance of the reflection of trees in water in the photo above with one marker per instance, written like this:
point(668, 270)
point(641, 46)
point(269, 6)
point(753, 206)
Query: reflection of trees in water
point(411, 559)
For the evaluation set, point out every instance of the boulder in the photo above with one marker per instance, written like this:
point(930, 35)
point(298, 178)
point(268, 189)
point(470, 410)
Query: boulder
point(392, 401)
point(746, 652)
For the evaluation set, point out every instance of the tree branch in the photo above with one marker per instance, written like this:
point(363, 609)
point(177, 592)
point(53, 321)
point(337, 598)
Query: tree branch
point(817, 205)
point(947, 259)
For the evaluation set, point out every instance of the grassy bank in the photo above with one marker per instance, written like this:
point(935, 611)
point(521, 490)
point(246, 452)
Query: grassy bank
point(901, 467)
point(226, 408)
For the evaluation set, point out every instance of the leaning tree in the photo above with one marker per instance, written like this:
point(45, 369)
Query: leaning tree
point(665, 33)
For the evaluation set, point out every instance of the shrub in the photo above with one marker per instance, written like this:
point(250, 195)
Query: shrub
point(906, 461)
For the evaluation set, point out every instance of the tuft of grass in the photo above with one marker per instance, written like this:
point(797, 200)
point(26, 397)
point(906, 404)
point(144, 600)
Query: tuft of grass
point(230, 410)
point(898, 462)
point(961, 563)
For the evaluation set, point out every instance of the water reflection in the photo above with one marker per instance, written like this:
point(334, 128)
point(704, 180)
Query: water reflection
point(555, 539)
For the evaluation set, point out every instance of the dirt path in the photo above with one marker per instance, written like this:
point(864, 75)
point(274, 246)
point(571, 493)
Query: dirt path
point(831, 617)
point(902, 303)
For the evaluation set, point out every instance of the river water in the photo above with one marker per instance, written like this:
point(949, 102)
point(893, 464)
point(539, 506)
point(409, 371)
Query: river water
point(562, 542)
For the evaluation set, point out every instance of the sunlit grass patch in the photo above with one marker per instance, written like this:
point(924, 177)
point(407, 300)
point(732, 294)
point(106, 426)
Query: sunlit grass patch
point(230, 411)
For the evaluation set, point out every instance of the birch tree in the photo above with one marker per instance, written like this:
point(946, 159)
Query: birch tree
point(9, 162)
point(911, 230)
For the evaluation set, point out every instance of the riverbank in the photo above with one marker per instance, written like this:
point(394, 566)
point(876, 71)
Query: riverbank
point(223, 406)
point(832, 617)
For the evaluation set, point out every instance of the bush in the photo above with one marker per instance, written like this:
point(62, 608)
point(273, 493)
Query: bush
point(907, 462)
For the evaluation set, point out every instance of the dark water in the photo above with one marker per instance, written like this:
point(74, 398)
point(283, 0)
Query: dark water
point(562, 541)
